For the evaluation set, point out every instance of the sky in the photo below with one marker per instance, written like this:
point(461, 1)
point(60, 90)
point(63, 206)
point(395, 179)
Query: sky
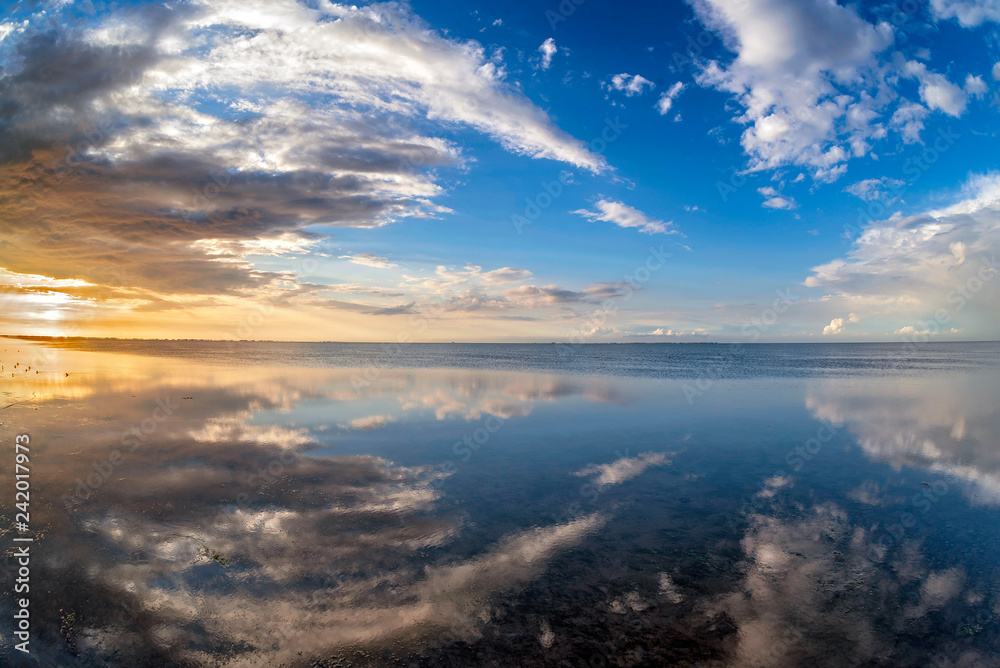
point(584, 171)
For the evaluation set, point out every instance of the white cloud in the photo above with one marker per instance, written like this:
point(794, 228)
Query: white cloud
point(837, 325)
point(911, 331)
point(774, 199)
point(622, 215)
point(975, 86)
point(369, 260)
point(666, 100)
point(631, 84)
point(287, 243)
point(871, 190)
point(387, 58)
point(790, 77)
point(970, 13)
point(670, 333)
point(814, 96)
point(548, 49)
point(935, 89)
point(908, 120)
point(448, 280)
point(915, 269)
point(779, 203)
point(996, 72)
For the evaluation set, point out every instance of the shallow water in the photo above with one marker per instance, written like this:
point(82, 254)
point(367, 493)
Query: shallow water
point(337, 504)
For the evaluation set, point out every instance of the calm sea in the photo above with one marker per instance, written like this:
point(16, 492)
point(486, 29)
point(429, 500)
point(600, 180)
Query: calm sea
point(279, 504)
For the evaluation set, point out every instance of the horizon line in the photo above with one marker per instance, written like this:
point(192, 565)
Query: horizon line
point(35, 337)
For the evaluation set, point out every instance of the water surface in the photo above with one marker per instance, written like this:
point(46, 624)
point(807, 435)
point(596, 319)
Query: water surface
point(256, 504)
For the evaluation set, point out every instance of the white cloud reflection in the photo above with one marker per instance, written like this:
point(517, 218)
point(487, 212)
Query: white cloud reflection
point(947, 428)
point(624, 468)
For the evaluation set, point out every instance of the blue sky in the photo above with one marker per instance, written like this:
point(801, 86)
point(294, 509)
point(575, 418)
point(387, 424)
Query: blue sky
point(313, 171)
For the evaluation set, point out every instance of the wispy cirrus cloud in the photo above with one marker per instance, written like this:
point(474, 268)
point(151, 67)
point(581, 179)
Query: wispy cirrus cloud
point(369, 260)
point(622, 215)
